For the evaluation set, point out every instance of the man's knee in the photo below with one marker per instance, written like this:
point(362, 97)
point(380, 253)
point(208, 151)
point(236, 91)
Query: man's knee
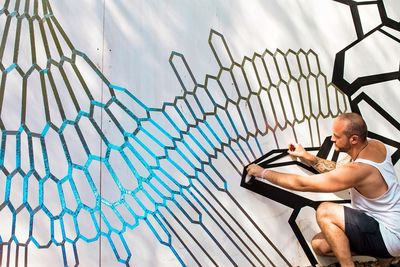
point(328, 212)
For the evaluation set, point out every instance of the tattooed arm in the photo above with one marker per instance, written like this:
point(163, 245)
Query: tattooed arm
point(319, 164)
point(322, 165)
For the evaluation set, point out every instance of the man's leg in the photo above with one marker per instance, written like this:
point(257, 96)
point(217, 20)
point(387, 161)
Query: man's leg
point(330, 218)
point(321, 246)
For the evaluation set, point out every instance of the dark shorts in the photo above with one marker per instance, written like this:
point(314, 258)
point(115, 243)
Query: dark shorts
point(364, 234)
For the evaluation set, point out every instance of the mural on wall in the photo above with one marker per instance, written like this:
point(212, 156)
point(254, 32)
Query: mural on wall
point(86, 161)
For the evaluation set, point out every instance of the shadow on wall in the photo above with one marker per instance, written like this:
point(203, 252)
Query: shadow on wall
point(142, 34)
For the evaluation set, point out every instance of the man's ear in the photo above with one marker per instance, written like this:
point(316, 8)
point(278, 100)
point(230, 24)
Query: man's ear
point(354, 139)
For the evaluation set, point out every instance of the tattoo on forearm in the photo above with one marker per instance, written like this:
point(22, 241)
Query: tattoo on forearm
point(323, 165)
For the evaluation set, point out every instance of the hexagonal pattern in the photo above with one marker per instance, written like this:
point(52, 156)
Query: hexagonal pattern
point(107, 160)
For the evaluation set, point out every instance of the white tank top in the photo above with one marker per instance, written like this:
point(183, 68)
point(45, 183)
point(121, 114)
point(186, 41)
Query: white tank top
point(386, 208)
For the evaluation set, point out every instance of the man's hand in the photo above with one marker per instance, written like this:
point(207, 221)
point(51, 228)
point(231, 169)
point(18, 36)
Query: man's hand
point(255, 170)
point(297, 151)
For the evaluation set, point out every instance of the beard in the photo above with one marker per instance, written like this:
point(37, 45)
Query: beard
point(342, 148)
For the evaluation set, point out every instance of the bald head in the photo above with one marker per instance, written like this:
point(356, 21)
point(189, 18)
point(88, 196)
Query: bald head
point(355, 125)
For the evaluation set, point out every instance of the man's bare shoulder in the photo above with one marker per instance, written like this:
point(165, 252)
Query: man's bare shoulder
point(375, 151)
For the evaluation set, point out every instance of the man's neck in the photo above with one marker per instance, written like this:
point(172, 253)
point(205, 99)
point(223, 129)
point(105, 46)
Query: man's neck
point(357, 150)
